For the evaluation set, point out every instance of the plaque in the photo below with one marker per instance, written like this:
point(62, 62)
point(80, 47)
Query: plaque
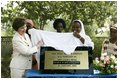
point(55, 61)
point(60, 60)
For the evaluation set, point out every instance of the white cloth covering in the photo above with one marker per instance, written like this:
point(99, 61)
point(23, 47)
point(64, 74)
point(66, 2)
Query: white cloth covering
point(60, 41)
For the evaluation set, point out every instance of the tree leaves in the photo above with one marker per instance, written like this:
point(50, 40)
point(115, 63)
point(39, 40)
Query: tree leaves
point(41, 11)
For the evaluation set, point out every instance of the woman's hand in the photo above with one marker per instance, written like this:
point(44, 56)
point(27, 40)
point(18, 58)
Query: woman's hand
point(39, 44)
point(76, 34)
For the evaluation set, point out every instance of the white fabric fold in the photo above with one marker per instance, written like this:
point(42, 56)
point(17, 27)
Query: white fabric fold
point(60, 41)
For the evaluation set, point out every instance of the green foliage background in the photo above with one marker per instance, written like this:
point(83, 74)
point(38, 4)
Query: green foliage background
point(92, 13)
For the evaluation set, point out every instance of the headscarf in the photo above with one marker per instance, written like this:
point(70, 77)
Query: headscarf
point(82, 32)
point(88, 41)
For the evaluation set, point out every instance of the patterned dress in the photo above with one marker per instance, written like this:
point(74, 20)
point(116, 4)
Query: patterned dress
point(109, 48)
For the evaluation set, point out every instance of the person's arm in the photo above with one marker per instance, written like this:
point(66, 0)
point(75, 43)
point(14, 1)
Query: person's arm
point(79, 37)
point(25, 50)
point(89, 42)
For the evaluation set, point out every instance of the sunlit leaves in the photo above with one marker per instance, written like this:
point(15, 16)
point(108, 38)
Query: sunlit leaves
point(41, 11)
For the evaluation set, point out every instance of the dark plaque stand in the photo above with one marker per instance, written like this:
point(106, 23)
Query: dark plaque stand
point(66, 71)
